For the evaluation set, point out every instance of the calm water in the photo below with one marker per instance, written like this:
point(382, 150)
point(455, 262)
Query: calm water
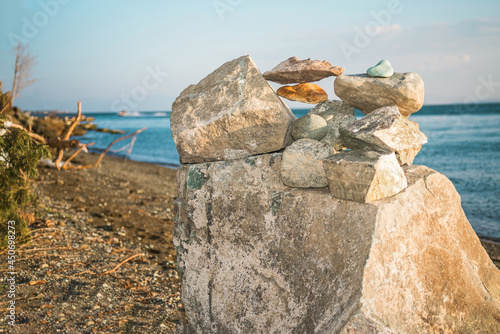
point(464, 145)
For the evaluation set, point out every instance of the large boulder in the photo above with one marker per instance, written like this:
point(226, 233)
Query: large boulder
point(294, 70)
point(256, 256)
point(230, 114)
point(336, 114)
point(405, 90)
point(385, 130)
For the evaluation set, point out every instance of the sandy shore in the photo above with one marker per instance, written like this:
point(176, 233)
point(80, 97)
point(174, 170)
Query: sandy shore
point(85, 224)
point(72, 277)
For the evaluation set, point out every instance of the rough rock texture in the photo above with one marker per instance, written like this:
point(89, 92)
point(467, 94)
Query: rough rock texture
point(302, 165)
point(385, 130)
point(256, 256)
point(427, 271)
point(294, 70)
point(336, 114)
point(364, 176)
point(232, 113)
point(307, 93)
point(405, 90)
point(309, 126)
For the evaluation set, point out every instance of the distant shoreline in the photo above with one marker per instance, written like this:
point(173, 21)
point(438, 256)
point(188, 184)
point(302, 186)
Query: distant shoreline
point(427, 109)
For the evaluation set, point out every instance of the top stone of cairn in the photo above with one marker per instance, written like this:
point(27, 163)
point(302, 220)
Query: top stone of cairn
point(404, 90)
point(294, 70)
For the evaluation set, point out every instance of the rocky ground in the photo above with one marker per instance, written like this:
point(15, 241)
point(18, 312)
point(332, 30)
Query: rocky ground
point(102, 259)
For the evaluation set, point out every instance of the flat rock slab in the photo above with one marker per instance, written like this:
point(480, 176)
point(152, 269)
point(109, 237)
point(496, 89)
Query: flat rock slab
point(294, 70)
point(256, 256)
point(364, 176)
point(385, 130)
point(405, 90)
point(336, 114)
point(230, 114)
point(302, 165)
point(307, 93)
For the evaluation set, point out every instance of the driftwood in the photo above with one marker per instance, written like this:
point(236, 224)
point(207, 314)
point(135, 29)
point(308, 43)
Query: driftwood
point(103, 153)
point(65, 142)
point(68, 134)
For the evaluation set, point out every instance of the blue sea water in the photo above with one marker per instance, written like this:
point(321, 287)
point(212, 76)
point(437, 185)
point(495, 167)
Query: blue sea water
point(464, 145)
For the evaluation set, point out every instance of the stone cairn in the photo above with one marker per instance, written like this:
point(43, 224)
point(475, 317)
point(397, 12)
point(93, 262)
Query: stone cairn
point(319, 224)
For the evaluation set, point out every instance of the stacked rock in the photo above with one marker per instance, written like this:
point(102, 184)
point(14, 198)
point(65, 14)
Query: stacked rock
point(317, 132)
point(302, 72)
point(234, 113)
point(258, 254)
point(379, 143)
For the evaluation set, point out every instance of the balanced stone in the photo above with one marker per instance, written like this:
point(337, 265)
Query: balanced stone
point(336, 114)
point(294, 70)
point(385, 130)
point(302, 165)
point(256, 256)
point(383, 70)
point(405, 90)
point(310, 126)
point(230, 114)
point(364, 176)
point(307, 93)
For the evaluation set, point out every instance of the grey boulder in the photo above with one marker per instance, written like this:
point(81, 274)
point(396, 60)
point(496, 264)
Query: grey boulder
point(385, 130)
point(230, 114)
point(256, 256)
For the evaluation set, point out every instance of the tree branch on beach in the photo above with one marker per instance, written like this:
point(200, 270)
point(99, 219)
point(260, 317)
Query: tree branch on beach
point(22, 70)
point(65, 166)
point(68, 135)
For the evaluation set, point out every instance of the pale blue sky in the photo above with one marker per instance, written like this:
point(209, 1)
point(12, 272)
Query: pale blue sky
point(139, 55)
